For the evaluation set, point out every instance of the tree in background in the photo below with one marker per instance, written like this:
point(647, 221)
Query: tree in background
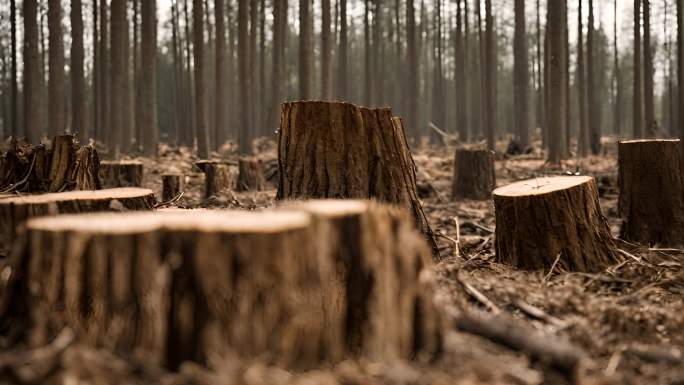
point(521, 76)
point(148, 113)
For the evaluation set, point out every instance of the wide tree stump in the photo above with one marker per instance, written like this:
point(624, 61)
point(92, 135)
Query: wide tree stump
point(121, 173)
point(339, 150)
point(474, 176)
point(378, 297)
point(172, 186)
point(651, 192)
point(16, 210)
point(63, 157)
point(217, 177)
point(553, 221)
point(250, 175)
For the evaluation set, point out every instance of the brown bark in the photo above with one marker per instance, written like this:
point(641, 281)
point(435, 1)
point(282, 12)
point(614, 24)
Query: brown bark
point(360, 153)
point(118, 25)
point(553, 221)
point(15, 211)
point(490, 67)
point(461, 79)
point(556, 80)
point(250, 175)
point(593, 88)
point(326, 52)
point(79, 123)
point(56, 94)
point(412, 52)
point(123, 173)
point(220, 96)
point(342, 91)
point(521, 81)
point(649, 109)
point(474, 176)
point(680, 72)
point(583, 124)
point(304, 49)
point(637, 103)
point(202, 111)
point(217, 177)
point(172, 186)
point(651, 193)
point(63, 156)
point(279, 25)
point(85, 173)
point(14, 87)
point(105, 66)
point(31, 79)
point(244, 77)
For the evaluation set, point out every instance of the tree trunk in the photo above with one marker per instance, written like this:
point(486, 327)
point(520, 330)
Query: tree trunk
point(57, 120)
point(651, 192)
point(250, 175)
point(541, 70)
point(553, 222)
point(31, 79)
point(220, 74)
point(148, 52)
point(14, 102)
point(680, 73)
point(304, 49)
point(378, 165)
point(489, 76)
point(342, 92)
point(118, 25)
point(97, 74)
point(172, 186)
point(617, 113)
point(245, 107)
point(461, 80)
point(582, 132)
point(649, 110)
point(217, 177)
point(201, 124)
point(412, 91)
point(367, 97)
point(593, 98)
point(123, 173)
point(438, 96)
point(105, 91)
point(474, 174)
point(637, 122)
point(279, 29)
point(521, 81)
point(79, 123)
point(556, 83)
point(15, 211)
point(326, 52)
point(63, 157)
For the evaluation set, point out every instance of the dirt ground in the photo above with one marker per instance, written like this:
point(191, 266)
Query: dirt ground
point(627, 322)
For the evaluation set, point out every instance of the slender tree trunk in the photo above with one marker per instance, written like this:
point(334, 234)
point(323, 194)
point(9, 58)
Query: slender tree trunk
point(521, 81)
point(617, 113)
point(254, 97)
point(326, 52)
point(304, 49)
point(245, 142)
point(438, 97)
point(220, 49)
point(127, 131)
point(412, 67)
point(367, 68)
point(263, 104)
point(490, 73)
point(380, 53)
point(636, 99)
point(31, 74)
point(104, 74)
point(180, 107)
point(593, 106)
point(556, 73)
point(342, 69)
point(649, 111)
point(118, 22)
point(279, 25)
point(78, 104)
point(541, 70)
point(97, 74)
point(14, 123)
point(568, 106)
point(137, 127)
point(200, 79)
point(680, 72)
point(148, 37)
point(461, 71)
point(56, 96)
point(582, 135)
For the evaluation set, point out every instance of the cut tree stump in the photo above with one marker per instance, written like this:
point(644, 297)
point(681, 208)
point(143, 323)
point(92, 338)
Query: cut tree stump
point(172, 186)
point(217, 177)
point(339, 150)
point(86, 171)
point(651, 188)
point(121, 173)
point(474, 176)
point(250, 175)
point(63, 158)
point(553, 221)
point(15, 211)
point(379, 298)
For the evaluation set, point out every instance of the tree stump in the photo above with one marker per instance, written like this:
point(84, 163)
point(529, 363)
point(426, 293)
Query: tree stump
point(86, 171)
point(15, 211)
point(172, 186)
point(250, 175)
point(121, 173)
point(474, 176)
point(553, 221)
point(651, 192)
point(61, 165)
point(339, 150)
point(379, 298)
point(217, 177)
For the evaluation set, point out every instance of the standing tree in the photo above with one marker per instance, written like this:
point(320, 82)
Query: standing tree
point(220, 71)
point(342, 91)
point(680, 71)
point(593, 102)
point(148, 114)
point(244, 141)
point(412, 76)
point(636, 88)
point(78, 103)
point(200, 79)
point(617, 113)
point(438, 96)
point(104, 126)
point(56, 96)
point(541, 122)
point(582, 134)
point(490, 77)
point(326, 52)
point(461, 82)
point(14, 123)
point(521, 78)
point(31, 74)
point(649, 113)
point(118, 24)
point(279, 25)
point(556, 78)
point(304, 49)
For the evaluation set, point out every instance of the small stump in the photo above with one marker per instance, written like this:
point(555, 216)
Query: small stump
point(474, 176)
point(121, 173)
point(651, 192)
point(172, 186)
point(556, 220)
point(217, 177)
point(250, 175)
point(15, 211)
point(339, 150)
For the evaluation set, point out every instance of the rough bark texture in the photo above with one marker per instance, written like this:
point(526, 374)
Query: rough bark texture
point(86, 170)
point(339, 150)
point(217, 177)
point(63, 154)
point(553, 221)
point(651, 197)
point(15, 211)
point(122, 173)
point(31, 75)
point(474, 176)
point(250, 175)
point(172, 185)
point(56, 94)
point(79, 107)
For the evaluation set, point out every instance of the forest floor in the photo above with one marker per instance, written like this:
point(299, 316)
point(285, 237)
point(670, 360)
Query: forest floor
point(627, 320)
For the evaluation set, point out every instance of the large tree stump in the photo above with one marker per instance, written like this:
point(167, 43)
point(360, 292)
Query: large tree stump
point(555, 220)
point(63, 158)
point(474, 176)
point(172, 186)
point(379, 298)
point(250, 175)
point(651, 192)
point(339, 150)
point(217, 177)
point(121, 173)
point(15, 211)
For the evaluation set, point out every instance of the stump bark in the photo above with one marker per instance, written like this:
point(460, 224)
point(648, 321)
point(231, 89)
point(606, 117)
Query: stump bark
point(651, 187)
point(553, 221)
point(16, 210)
point(63, 158)
point(172, 186)
point(86, 171)
point(217, 177)
point(474, 174)
point(339, 150)
point(250, 175)
point(121, 173)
